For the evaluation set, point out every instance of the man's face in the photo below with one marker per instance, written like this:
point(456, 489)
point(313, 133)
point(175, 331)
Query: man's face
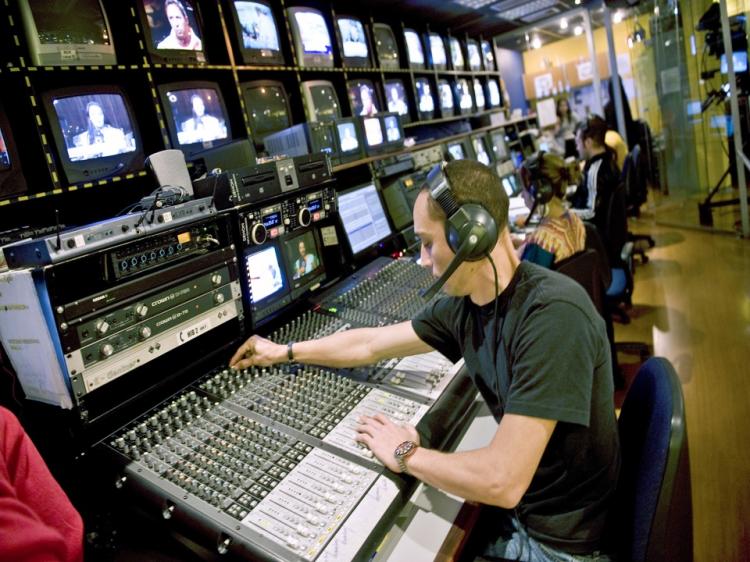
point(97, 116)
point(302, 249)
point(177, 20)
point(581, 146)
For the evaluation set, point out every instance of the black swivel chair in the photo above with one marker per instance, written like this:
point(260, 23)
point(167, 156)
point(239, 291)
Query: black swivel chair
point(634, 174)
point(652, 516)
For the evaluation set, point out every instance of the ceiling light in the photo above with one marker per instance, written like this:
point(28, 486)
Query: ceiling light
point(577, 30)
point(577, 2)
point(563, 23)
point(536, 42)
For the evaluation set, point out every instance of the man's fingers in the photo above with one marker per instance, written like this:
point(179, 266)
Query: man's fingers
point(382, 418)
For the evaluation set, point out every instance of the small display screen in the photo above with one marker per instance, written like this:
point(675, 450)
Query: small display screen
point(457, 56)
point(475, 60)
point(457, 151)
point(437, 49)
point(489, 56)
point(385, 43)
point(268, 110)
point(4, 156)
point(739, 60)
point(396, 97)
point(348, 140)
point(314, 205)
point(313, 32)
point(510, 185)
point(480, 150)
point(464, 95)
point(325, 103)
point(498, 145)
point(414, 47)
point(198, 115)
point(272, 220)
point(424, 94)
point(258, 26)
point(75, 22)
point(392, 132)
point(479, 94)
point(94, 126)
point(373, 131)
point(302, 257)
point(173, 25)
point(363, 217)
point(363, 98)
point(494, 91)
point(263, 270)
point(446, 95)
point(353, 38)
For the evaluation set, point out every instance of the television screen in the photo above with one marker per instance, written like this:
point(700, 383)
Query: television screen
point(311, 37)
point(11, 176)
point(75, 32)
point(363, 217)
point(511, 185)
point(392, 129)
point(396, 99)
point(257, 33)
point(446, 98)
point(487, 55)
point(414, 48)
point(348, 141)
point(457, 55)
point(425, 101)
point(385, 46)
point(198, 115)
point(4, 156)
point(493, 91)
point(480, 150)
point(475, 59)
point(463, 94)
point(302, 258)
point(264, 274)
point(739, 59)
point(478, 94)
point(456, 150)
point(267, 107)
point(362, 97)
point(497, 141)
point(373, 131)
point(321, 101)
point(174, 31)
point(437, 51)
point(353, 39)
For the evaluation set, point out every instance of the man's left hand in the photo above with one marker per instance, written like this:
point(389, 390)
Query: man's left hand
point(382, 436)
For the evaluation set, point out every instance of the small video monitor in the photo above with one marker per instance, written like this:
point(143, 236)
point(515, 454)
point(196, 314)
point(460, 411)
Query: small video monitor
point(386, 46)
point(12, 180)
point(374, 135)
point(264, 273)
point(396, 99)
point(463, 96)
point(348, 140)
point(488, 56)
point(394, 133)
point(478, 94)
point(475, 58)
point(302, 257)
point(267, 107)
point(321, 101)
point(457, 54)
point(425, 101)
point(72, 33)
point(312, 41)
point(414, 49)
point(437, 51)
point(493, 93)
point(446, 98)
point(456, 151)
point(739, 60)
point(480, 150)
point(363, 217)
point(497, 143)
point(174, 32)
point(511, 185)
point(363, 98)
point(354, 49)
point(257, 33)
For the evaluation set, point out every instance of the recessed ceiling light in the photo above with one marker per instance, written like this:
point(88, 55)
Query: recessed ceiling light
point(563, 23)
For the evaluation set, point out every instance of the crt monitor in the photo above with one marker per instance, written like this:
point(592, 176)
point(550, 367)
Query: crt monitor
point(457, 54)
point(264, 279)
point(302, 258)
point(457, 151)
point(478, 94)
point(95, 132)
point(196, 116)
point(493, 93)
point(446, 98)
point(436, 48)
point(363, 98)
point(321, 101)
point(348, 140)
point(312, 41)
point(67, 33)
point(373, 133)
point(463, 97)
point(425, 101)
point(386, 47)
point(396, 99)
point(363, 217)
point(11, 176)
point(480, 149)
point(267, 107)
point(256, 32)
point(488, 56)
point(414, 49)
point(173, 29)
point(394, 132)
point(472, 51)
point(353, 45)
point(497, 144)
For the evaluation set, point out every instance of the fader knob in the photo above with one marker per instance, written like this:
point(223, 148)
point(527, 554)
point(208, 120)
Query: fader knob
point(304, 216)
point(258, 233)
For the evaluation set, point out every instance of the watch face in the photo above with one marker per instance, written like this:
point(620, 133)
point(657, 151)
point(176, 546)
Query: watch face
point(404, 449)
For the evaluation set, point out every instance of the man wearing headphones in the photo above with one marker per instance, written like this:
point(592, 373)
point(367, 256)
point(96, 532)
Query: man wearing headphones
point(537, 351)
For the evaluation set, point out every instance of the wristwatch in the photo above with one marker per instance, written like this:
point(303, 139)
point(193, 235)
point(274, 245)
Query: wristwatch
point(403, 452)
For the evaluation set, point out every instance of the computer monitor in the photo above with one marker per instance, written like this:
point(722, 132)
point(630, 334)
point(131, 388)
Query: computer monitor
point(349, 144)
point(173, 29)
point(425, 100)
point(457, 54)
point(478, 143)
point(414, 49)
point(256, 32)
point(473, 54)
point(302, 257)
point(493, 93)
point(437, 51)
point(321, 101)
point(267, 107)
point(497, 144)
point(488, 55)
point(463, 97)
point(363, 217)
point(197, 118)
point(478, 94)
point(12, 180)
point(312, 41)
point(353, 42)
point(386, 47)
point(95, 132)
point(71, 33)
point(396, 99)
point(363, 97)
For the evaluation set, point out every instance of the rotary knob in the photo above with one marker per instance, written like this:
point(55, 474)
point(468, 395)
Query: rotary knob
point(101, 327)
point(219, 298)
point(141, 310)
point(107, 350)
point(216, 279)
point(144, 332)
point(258, 233)
point(304, 217)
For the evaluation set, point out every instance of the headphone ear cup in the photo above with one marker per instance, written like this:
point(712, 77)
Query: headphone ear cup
point(472, 224)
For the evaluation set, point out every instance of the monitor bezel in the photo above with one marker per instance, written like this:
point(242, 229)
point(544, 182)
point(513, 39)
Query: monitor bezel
point(343, 157)
point(491, 142)
point(389, 146)
point(378, 148)
point(477, 83)
point(273, 297)
point(245, 86)
point(465, 144)
point(306, 88)
point(257, 57)
point(388, 63)
point(383, 207)
point(349, 61)
point(311, 280)
point(173, 56)
point(414, 65)
point(488, 96)
point(308, 60)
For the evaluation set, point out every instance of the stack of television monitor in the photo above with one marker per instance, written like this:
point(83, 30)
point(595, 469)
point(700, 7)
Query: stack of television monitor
point(414, 49)
point(494, 98)
point(473, 54)
point(462, 96)
point(478, 95)
point(436, 48)
point(457, 55)
point(488, 56)
point(445, 94)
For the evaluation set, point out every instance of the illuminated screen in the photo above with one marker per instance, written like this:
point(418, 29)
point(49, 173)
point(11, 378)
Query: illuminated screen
point(739, 59)
point(414, 47)
point(353, 38)
point(258, 26)
point(76, 22)
point(475, 60)
point(498, 145)
point(198, 115)
point(489, 56)
point(4, 156)
point(363, 217)
point(94, 126)
point(457, 56)
point(325, 103)
point(267, 106)
point(510, 185)
point(396, 97)
point(302, 257)
point(437, 49)
point(480, 150)
point(347, 134)
point(173, 25)
point(362, 97)
point(446, 95)
point(494, 91)
point(479, 94)
point(373, 131)
point(392, 132)
point(464, 95)
point(457, 151)
point(313, 33)
point(424, 95)
point(264, 274)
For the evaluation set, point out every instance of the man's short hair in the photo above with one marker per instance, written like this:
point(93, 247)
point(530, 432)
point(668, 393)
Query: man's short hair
point(473, 182)
point(594, 128)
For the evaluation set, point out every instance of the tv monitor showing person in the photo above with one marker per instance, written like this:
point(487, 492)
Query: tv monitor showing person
point(173, 25)
point(363, 98)
point(258, 26)
point(396, 97)
point(264, 273)
point(424, 93)
point(4, 156)
point(195, 112)
point(392, 131)
point(302, 258)
point(348, 140)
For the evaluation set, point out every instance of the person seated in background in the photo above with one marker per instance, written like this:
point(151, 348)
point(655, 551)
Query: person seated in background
point(567, 120)
point(614, 140)
point(37, 520)
point(560, 232)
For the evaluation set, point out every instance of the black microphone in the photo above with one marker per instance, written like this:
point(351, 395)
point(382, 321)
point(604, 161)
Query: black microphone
point(464, 251)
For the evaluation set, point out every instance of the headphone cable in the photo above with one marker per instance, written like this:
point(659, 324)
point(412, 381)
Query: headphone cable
point(497, 294)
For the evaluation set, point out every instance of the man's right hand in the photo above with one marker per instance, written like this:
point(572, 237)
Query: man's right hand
point(258, 351)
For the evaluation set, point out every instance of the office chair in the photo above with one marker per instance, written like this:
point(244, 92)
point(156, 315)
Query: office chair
point(652, 514)
point(636, 188)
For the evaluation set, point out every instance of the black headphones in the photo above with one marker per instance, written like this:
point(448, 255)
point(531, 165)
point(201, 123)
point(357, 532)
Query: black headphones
point(536, 184)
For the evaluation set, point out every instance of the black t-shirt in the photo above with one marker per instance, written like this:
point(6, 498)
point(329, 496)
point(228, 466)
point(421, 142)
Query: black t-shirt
point(546, 355)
